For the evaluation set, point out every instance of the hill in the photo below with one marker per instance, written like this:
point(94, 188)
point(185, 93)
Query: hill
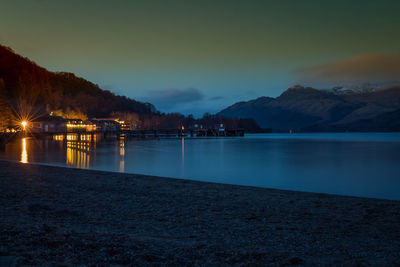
point(23, 81)
point(307, 109)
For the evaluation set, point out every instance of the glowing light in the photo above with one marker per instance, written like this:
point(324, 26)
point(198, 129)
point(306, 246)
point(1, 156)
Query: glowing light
point(59, 137)
point(24, 124)
point(24, 154)
point(81, 126)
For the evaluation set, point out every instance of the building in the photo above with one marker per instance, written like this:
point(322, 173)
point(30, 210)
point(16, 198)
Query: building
point(112, 124)
point(48, 124)
point(55, 124)
point(126, 126)
point(78, 125)
point(106, 124)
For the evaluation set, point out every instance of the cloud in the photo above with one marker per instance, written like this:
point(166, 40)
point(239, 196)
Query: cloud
point(363, 68)
point(168, 98)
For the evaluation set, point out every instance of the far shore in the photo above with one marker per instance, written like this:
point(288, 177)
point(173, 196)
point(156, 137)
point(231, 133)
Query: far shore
point(63, 216)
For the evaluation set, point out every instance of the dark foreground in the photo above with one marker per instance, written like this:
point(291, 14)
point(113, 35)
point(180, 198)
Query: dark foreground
point(56, 216)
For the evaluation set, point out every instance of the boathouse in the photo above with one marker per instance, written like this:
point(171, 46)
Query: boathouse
point(48, 124)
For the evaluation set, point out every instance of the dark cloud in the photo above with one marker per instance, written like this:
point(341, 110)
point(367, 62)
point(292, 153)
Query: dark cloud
point(167, 98)
point(363, 68)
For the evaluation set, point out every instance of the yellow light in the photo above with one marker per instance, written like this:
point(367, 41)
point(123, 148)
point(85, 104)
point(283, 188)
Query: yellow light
point(24, 153)
point(24, 124)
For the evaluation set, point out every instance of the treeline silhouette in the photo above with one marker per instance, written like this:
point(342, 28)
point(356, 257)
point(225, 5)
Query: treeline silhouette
point(26, 88)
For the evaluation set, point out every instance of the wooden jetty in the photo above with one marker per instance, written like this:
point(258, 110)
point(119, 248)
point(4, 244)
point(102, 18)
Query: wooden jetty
point(171, 133)
point(159, 133)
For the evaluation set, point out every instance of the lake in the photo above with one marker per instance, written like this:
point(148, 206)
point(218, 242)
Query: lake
point(354, 164)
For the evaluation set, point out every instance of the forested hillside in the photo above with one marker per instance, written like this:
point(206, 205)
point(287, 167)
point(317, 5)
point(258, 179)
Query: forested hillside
point(23, 80)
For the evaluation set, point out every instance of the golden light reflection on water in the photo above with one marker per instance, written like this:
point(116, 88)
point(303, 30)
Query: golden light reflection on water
point(122, 155)
point(78, 150)
point(24, 153)
point(122, 166)
point(78, 154)
point(121, 148)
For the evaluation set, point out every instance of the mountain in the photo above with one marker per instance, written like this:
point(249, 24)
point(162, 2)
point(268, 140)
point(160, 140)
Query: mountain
point(308, 109)
point(23, 81)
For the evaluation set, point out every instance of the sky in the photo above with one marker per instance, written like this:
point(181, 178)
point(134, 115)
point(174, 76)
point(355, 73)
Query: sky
point(202, 56)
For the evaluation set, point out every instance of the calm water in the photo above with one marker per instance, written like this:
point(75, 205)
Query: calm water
point(357, 164)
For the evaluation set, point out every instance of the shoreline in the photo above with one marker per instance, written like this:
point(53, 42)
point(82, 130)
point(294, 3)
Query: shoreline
point(60, 215)
point(189, 180)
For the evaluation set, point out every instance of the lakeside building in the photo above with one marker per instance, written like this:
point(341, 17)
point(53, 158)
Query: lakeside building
point(48, 124)
point(112, 124)
point(106, 124)
point(126, 126)
point(78, 125)
point(56, 124)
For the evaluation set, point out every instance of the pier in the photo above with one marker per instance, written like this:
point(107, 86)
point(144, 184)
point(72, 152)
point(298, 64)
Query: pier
point(90, 135)
point(159, 133)
point(170, 133)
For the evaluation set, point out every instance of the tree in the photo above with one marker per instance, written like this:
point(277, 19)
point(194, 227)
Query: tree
point(5, 114)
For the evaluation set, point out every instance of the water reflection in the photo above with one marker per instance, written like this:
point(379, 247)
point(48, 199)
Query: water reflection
point(183, 150)
point(78, 149)
point(183, 157)
point(353, 164)
point(122, 154)
point(78, 154)
point(24, 153)
point(122, 148)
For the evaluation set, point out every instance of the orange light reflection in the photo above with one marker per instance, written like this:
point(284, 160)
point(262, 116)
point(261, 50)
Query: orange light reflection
point(24, 153)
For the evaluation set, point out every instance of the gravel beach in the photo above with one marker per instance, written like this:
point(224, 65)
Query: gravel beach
point(62, 216)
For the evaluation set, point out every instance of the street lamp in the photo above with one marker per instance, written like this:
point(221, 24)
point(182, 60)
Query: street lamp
point(24, 124)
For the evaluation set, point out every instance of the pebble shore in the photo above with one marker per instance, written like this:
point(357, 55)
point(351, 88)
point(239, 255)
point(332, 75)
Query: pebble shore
point(62, 216)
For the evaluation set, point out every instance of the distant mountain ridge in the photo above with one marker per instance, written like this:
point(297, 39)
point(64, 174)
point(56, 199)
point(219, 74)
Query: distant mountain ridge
point(362, 88)
point(308, 109)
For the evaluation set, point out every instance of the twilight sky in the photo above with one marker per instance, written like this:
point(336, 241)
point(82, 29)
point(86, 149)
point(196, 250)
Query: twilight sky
point(198, 56)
